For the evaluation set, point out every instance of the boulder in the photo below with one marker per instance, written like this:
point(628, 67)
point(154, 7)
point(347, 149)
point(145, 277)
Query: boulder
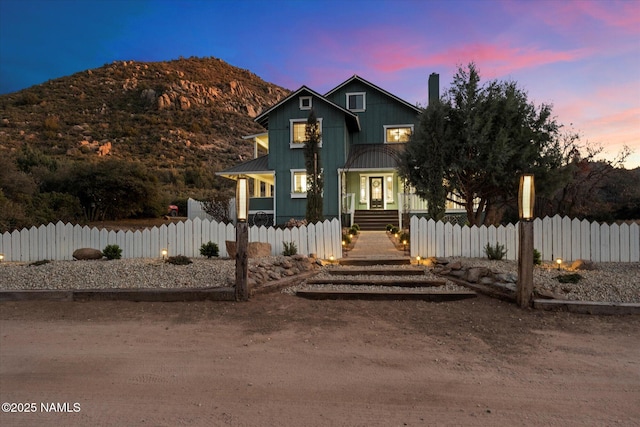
point(581, 264)
point(87, 253)
point(254, 249)
point(475, 273)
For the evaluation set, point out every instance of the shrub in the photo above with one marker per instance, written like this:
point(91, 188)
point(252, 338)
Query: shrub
point(179, 260)
point(394, 229)
point(569, 278)
point(404, 236)
point(389, 227)
point(537, 257)
point(289, 248)
point(112, 252)
point(209, 249)
point(496, 252)
point(354, 231)
point(346, 238)
point(356, 227)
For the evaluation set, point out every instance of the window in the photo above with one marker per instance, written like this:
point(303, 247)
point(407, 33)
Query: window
point(298, 129)
point(389, 190)
point(397, 133)
point(298, 183)
point(357, 101)
point(305, 102)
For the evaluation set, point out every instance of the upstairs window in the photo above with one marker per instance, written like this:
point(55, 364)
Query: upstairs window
point(305, 103)
point(357, 101)
point(298, 129)
point(397, 133)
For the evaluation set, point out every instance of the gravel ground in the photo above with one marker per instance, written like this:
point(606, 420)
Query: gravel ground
point(614, 282)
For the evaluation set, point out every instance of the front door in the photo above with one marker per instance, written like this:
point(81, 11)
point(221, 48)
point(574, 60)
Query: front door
point(376, 192)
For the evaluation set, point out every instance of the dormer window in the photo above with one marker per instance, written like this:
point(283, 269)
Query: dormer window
point(356, 101)
point(397, 133)
point(305, 102)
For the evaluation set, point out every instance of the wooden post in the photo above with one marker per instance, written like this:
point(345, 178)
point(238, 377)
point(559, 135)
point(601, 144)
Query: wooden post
point(524, 289)
point(242, 241)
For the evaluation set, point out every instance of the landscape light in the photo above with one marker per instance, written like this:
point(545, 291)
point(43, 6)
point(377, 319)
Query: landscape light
point(559, 262)
point(1, 257)
point(164, 253)
point(242, 199)
point(526, 197)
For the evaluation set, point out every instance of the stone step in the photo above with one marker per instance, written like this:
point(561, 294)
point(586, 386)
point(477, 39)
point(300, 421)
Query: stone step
point(372, 272)
point(382, 295)
point(379, 282)
point(374, 261)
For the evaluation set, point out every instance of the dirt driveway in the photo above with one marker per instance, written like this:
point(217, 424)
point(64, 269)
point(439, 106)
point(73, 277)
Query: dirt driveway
point(283, 361)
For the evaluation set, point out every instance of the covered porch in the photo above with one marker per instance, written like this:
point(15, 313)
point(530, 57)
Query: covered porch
point(261, 189)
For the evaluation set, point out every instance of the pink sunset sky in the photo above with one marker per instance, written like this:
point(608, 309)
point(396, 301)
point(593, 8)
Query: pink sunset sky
point(583, 57)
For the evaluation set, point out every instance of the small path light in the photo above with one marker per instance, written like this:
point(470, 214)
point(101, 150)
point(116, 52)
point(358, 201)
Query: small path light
point(526, 200)
point(1, 257)
point(164, 253)
point(559, 262)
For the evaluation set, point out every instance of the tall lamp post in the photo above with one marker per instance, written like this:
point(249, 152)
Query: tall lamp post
point(526, 199)
point(242, 238)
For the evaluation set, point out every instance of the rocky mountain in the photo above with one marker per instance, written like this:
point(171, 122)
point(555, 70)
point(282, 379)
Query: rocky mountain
point(183, 119)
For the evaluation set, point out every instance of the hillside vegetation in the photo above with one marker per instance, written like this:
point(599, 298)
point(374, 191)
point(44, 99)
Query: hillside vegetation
point(157, 131)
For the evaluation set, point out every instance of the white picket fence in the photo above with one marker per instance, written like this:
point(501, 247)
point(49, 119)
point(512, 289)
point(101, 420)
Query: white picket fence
point(58, 241)
point(554, 238)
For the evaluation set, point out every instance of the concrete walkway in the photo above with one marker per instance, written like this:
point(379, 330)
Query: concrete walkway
point(374, 244)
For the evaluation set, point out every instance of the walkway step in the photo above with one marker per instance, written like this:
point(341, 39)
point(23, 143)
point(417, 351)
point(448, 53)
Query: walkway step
point(374, 261)
point(383, 282)
point(382, 295)
point(371, 272)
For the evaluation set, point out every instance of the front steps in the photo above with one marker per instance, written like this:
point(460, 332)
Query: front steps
point(347, 283)
point(375, 219)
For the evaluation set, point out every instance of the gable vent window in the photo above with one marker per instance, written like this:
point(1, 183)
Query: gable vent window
point(357, 101)
point(305, 103)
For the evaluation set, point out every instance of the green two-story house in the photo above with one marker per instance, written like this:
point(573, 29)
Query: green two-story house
point(363, 129)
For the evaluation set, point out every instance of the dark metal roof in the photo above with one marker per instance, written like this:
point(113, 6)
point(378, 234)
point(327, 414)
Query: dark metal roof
point(374, 156)
point(258, 165)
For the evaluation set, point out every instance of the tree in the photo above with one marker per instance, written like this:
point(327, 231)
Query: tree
point(476, 142)
point(312, 165)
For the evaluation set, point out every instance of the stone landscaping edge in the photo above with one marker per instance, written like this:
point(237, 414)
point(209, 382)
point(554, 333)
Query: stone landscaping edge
point(228, 294)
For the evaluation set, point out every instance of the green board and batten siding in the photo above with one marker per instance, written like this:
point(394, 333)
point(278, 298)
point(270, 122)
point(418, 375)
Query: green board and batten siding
point(381, 110)
point(283, 158)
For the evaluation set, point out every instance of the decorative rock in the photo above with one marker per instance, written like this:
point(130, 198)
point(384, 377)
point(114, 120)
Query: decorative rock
point(87, 253)
point(457, 265)
point(581, 264)
point(254, 249)
point(474, 274)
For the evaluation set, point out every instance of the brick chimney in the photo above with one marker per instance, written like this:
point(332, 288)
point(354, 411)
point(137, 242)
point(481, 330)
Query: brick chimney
point(434, 88)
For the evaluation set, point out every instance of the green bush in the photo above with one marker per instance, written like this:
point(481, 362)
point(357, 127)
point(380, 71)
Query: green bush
point(537, 257)
point(496, 252)
point(112, 252)
point(404, 236)
point(346, 239)
point(569, 278)
point(289, 249)
point(354, 231)
point(209, 249)
point(356, 227)
point(179, 260)
point(389, 227)
point(394, 229)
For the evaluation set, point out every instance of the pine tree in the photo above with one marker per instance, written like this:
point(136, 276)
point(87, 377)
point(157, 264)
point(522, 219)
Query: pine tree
point(314, 170)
